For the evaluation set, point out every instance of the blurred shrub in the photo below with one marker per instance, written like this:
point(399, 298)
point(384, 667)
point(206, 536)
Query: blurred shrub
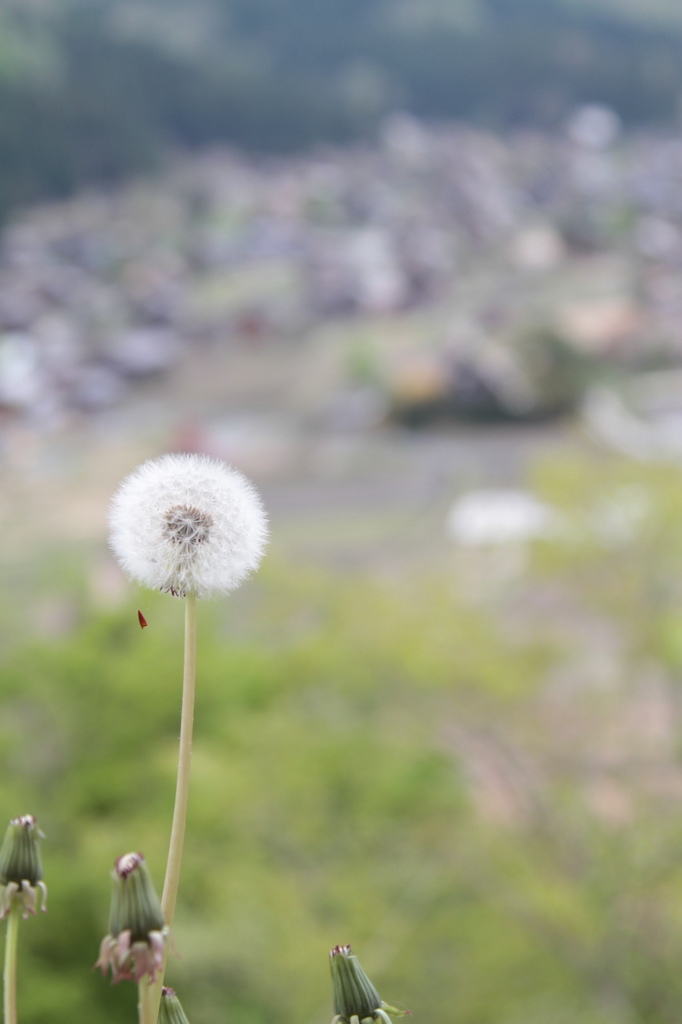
point(464, 798)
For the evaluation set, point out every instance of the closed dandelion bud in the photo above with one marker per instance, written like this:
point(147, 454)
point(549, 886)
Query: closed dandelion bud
point(21, 873)
point(355, 999)
point(353, 994)
point(135, 944)
point(170, 1010)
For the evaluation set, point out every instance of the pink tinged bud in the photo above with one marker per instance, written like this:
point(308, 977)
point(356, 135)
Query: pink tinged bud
point(134, 947)
point(121, 948)
point(21, 872)
point(147, 957)
point(170, 1010)
point(157, 943)
point(106, 956)
point(8, 893)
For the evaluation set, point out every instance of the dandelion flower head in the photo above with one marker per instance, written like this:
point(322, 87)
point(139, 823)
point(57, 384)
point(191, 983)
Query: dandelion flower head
point(184, 523)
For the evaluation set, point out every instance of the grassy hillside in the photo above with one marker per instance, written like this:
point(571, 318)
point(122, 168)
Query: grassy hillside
point(483, 799)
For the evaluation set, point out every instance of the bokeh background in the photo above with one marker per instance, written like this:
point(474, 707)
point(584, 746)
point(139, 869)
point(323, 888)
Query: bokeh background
point(413, 266)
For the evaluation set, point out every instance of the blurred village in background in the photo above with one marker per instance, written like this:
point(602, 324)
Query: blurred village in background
point(443, 721)
point(383, 324)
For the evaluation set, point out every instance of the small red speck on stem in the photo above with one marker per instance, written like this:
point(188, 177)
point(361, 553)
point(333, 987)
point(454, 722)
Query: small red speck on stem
point(141, 619)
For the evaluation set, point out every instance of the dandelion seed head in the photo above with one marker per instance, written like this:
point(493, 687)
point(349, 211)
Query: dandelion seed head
point(186, 525)
point(183, 523)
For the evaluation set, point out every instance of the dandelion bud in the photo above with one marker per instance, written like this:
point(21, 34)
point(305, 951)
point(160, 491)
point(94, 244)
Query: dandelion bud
point(187, 524)
point(135, 944)
point(21, 873)
point(170, 1010)
point(353, 994)
point(356, 1001)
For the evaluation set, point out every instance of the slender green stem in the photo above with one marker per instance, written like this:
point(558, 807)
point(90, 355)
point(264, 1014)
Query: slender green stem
point(10, 975)
point(145, 1003)
point(170, 886)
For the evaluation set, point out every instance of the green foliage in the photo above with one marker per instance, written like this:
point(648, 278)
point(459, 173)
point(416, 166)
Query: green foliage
point(321, 787)
point(466, 797)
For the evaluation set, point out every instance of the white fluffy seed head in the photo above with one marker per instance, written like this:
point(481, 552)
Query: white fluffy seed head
point(185, 523)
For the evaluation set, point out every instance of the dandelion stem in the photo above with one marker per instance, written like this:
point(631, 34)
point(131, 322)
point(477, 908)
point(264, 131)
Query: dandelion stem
point(145, 1005)
point(172, 880)
point(170, 886)
point(10, 975)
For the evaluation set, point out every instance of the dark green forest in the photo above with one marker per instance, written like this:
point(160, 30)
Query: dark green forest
point(91, 91)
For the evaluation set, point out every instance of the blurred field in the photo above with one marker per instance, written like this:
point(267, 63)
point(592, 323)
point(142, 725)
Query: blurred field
point(467, 766)
point(457, 750)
